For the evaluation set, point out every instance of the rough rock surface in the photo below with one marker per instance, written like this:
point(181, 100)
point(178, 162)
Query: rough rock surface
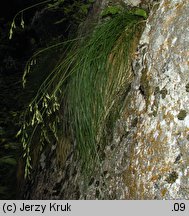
point(133, 2)
point(148, 157)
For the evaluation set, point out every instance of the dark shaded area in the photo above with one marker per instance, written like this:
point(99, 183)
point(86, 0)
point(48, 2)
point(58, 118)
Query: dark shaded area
point(10, 7)
point(43, 27)
point(13, 55)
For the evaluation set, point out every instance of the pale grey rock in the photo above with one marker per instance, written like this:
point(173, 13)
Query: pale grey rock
point(156, 147)
point(132, 2)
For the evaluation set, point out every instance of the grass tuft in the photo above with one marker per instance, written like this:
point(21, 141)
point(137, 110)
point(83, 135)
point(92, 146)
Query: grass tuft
point(83, 95)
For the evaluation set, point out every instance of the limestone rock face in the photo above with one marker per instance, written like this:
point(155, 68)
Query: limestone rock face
point(133, 2)
point(151, 137)
point(156, 115)
point(148, 156)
